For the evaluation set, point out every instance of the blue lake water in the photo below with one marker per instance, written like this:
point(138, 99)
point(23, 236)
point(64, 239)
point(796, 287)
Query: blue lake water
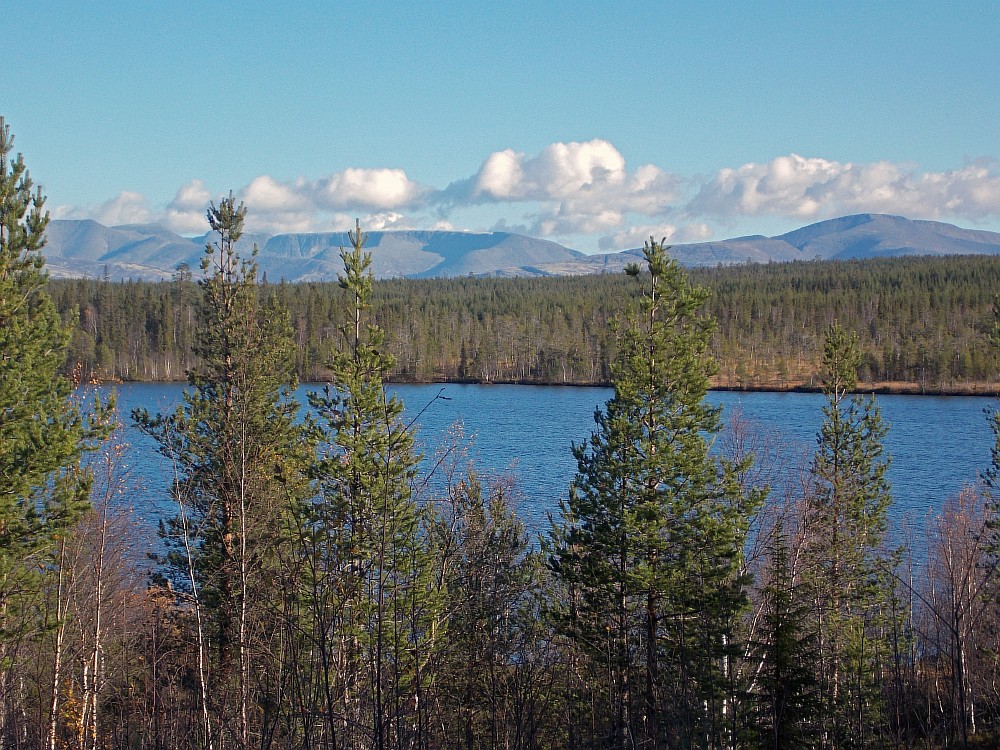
point(937, 444)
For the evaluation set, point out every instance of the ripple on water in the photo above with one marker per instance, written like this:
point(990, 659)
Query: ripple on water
point(937, 443)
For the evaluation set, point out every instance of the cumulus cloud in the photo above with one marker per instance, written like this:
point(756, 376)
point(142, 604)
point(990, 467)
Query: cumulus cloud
point(126, 208)
point(582, 187)
point(559, 171)
point(369, 188)
point(301, 205)
point(185, 214)
point(814, 188)
point(385, 220)
point(635, 236)
point(278, 207)
point(320, 205)
point(501, 177)
point(694, 233)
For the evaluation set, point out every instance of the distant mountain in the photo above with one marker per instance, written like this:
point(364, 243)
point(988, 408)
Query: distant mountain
point(880, 235)
point(86, 248)
point(860, 236)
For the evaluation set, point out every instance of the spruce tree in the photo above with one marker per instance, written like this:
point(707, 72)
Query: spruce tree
point(847, 523)
point(788, 691)
point(649, 542)
point(43, 433)
point(241, 457)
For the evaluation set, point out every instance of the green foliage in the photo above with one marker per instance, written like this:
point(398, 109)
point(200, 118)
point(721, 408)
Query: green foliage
point(993, 472)
point(44, 487)
point(649, 543)
point(788, 693)
point(491, 656)
point(847, 522)
point(42, 431)
point(311, 601)
point(370, 576)
point(851, 494)
point(240, 457)
point(919, 321)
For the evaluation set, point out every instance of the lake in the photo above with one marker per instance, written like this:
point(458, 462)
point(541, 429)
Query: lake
point(937, 443)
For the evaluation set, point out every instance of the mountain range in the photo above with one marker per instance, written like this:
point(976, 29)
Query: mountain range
point(78, 248)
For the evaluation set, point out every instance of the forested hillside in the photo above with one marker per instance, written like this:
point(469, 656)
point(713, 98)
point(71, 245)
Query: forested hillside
point(920, 321)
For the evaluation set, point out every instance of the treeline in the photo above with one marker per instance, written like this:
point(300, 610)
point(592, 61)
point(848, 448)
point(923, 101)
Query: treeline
point(920, 323)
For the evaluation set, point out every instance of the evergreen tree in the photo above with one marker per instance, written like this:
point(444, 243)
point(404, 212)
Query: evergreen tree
point(370, 569)
point(788, 691)
point(650, 540)
point(43, 434)
point(241, 458)
point(847, 510)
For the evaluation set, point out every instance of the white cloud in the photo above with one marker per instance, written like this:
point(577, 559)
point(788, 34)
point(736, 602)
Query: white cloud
point(576, 190)
point(384, 220)
point(635, 236)
point(582, 187)
point(574, 217)
point(369, 188)
point(301, 205)
point(559, 171)
point(694, 233)
point(813, 188)
point(125, 208)
point(278, 207)
point(185, 214)
point(501, 177)
point(330, 203)
point(266, 194)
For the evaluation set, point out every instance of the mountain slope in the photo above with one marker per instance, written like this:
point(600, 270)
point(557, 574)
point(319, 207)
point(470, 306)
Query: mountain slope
point(880, 235)
point(86, 248)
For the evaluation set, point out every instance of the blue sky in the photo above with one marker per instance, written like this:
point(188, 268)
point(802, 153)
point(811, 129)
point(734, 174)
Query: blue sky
point(592, 124)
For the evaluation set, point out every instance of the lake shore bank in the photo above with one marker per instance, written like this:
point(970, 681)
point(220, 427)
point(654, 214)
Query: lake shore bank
point(893, 388)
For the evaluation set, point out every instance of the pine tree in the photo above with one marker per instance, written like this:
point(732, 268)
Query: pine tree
point(241, 457)
point(847, 520)
point(369, 565)
point(650, 540)
point(43, 433)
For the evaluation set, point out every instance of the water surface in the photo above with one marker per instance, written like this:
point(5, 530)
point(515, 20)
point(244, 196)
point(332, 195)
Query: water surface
point(937, 443)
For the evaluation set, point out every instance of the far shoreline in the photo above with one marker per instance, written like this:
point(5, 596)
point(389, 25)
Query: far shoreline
point(886, 388)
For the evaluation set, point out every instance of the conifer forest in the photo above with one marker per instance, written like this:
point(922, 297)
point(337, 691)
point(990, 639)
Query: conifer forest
point(695, 589)
point(920, 323)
